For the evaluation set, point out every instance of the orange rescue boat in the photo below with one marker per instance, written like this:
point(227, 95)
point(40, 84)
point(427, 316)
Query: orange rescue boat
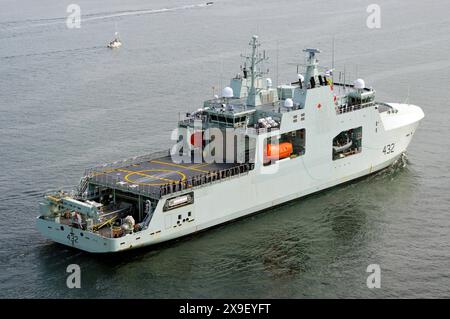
point(278, 151)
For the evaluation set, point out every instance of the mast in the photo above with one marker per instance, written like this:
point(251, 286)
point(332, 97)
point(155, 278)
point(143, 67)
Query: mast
point(252, 92)
point(332, 61)
point(254, 59)
point(311, 66)
point(278, 54)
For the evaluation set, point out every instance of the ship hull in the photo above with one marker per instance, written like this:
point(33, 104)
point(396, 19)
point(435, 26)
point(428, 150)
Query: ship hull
point(262, 188)
point(93, 243)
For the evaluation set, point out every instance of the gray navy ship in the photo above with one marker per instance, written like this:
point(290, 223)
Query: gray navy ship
point(254, 147)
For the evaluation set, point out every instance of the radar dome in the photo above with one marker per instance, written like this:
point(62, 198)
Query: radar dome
point(359, 84)
point(301, 77)
point(227, 92)
point(288, 103)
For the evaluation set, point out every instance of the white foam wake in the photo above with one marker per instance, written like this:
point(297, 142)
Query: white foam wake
point(14, 25)
point(141, 12)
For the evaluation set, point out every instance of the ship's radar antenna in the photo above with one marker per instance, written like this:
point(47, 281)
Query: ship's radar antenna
point(312, 55)
point(254, 60)
point(311, 66)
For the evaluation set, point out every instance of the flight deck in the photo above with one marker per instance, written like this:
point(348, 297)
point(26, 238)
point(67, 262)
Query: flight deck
point(160, 176)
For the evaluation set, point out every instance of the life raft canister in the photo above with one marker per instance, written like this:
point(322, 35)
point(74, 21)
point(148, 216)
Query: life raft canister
point(278, 151)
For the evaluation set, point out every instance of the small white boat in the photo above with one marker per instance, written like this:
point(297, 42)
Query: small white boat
point(342, 148)
point(116, 43)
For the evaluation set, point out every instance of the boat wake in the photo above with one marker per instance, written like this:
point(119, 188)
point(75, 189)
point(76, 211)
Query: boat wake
point(141, 12)
point(23, 24)
point(398, 166)
point(400, 163)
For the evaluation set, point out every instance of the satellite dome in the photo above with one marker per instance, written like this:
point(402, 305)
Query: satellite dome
point(227, 92)
point(359, 84)
point(301, 77)
point(288, 103)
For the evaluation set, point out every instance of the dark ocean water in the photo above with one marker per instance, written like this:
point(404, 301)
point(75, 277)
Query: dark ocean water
point(67, 102)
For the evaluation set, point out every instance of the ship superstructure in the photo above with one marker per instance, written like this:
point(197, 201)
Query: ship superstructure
point(280, 143)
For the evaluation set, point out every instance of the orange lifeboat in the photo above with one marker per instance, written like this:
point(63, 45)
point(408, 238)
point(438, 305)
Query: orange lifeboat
point(197, 139)
point(278, 151)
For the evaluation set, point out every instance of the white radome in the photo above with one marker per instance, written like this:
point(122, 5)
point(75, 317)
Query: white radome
point(288, 103)
point(227, 92)
point(359, 84)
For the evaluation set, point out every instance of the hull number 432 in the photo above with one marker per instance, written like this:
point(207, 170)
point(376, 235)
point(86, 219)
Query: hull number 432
point(388, 149)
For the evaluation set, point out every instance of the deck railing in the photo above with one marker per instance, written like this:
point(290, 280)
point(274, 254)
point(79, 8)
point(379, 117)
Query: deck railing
point(384, 107)
point(170, 188)
point(341, 109)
